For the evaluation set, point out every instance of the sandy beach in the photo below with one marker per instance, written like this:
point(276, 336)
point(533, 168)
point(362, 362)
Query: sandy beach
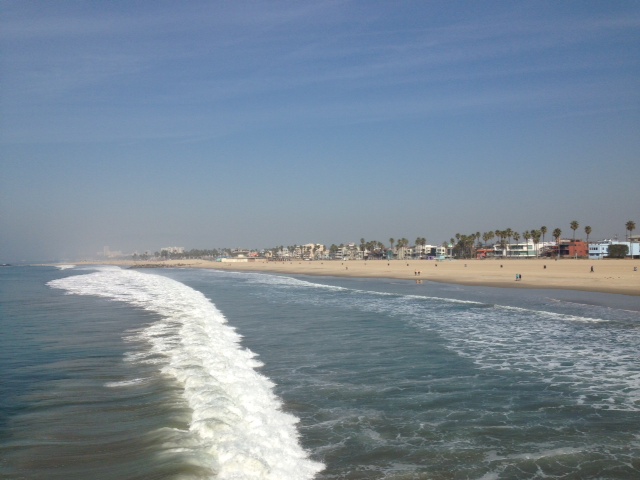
point(608, 276)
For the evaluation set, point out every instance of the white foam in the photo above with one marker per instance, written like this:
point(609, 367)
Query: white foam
point(237, 419)
point(65, 267)
point(277, 280)
point(126, 383)
point(559, 349)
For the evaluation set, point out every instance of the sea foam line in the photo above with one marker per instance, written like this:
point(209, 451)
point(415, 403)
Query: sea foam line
point(284, 281)
point(538, 342)
point(237, 419)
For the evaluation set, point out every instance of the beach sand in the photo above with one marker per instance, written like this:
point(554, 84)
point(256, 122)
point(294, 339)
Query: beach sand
point(609, 276)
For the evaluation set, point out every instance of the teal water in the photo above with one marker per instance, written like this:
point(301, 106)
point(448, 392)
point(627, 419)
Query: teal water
point(111, 373)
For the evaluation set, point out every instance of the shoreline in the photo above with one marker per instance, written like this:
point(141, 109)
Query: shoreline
point(609, 276)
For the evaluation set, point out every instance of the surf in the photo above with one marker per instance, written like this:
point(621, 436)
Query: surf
point(237, 422)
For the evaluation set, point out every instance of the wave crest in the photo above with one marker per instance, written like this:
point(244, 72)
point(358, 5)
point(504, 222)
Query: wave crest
point(237, 419)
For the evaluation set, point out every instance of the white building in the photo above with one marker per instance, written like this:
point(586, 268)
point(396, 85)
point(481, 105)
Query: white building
point(600, 250)
point(516, 250)
point(519, 250)
point(172, 250)
point(426, 251)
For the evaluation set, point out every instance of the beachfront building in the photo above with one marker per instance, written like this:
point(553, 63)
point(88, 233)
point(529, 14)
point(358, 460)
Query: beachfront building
point(574, 249)
point(526, 249)
point(600, 250)
point(312, 251)
point(439, 251)
point(567, 249)
point(172, 250)
point(347, 252)
point(428, 252)
point(282, 254)
point(404, 253)
point(522, 250)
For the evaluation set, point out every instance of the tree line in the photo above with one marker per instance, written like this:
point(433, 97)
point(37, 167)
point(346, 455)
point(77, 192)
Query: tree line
point(462, 246)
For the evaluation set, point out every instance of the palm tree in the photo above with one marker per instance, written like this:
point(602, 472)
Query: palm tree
point(500, 235)
point(535, 234)
point(486, 236)
point(574, 227)
point(421, 241)
point(587, 230)
point(401, 244)
point(527, 236)
point(509, 233)
point(630, 226)
point(556, 234)
point(470, 240)
point(543, 230)
point(391, 242)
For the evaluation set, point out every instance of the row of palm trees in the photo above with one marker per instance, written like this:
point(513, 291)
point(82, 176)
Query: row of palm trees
point(463, 244)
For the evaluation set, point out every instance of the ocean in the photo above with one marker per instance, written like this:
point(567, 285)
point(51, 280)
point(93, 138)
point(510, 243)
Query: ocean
point(110, 373)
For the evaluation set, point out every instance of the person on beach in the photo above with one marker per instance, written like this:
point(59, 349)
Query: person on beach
point(591, 268)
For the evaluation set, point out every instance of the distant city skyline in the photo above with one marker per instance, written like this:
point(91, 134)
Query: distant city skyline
point(259, 123)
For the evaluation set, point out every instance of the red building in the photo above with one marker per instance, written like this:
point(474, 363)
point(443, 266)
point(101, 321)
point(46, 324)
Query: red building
point(574, 249)
point(568, 249)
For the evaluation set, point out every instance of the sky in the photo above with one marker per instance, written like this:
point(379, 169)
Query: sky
point(139, 125)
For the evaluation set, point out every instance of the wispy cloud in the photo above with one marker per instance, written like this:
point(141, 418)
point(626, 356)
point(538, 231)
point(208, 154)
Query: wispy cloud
point(295, 60)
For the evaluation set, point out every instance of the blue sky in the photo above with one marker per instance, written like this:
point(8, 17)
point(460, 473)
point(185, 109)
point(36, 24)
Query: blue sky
point(140, 125)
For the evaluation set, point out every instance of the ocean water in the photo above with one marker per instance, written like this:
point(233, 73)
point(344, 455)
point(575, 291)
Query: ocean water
point(108, 373)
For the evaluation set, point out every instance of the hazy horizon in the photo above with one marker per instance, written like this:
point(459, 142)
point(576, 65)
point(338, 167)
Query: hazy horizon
point(255, 124)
